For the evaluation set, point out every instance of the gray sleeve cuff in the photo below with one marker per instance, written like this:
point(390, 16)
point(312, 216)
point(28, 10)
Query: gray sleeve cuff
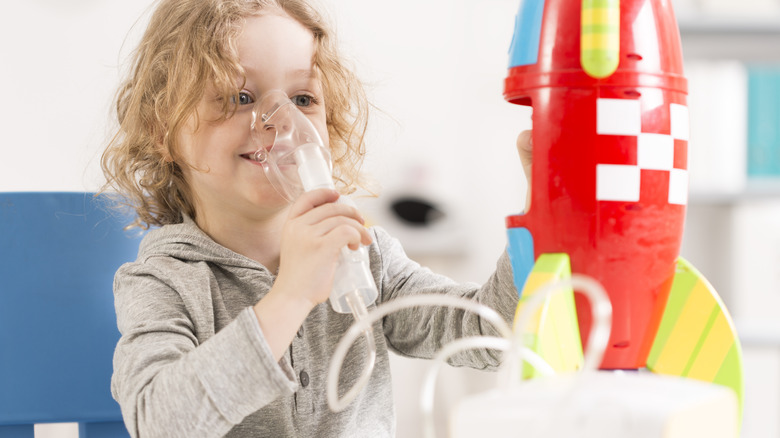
point(247, 380)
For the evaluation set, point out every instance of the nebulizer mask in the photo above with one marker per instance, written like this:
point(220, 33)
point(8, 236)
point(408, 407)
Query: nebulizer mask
point(290, 148)
point(295, 160)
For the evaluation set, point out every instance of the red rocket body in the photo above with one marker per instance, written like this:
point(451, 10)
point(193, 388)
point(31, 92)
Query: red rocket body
point(609, 183)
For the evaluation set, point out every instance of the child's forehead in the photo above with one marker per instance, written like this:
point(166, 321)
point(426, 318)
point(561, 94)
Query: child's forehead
point(276, 44)
point(270, 17)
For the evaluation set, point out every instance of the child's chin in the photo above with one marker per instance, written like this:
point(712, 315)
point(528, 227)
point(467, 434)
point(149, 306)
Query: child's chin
point(273, 199)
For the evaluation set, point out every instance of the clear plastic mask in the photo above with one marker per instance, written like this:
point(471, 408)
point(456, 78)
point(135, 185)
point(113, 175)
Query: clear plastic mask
point(289, 147)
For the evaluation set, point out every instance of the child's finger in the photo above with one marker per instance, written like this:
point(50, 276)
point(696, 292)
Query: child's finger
point(341, 232)
point(525, 150)
point(325, 211)
point(525, 147)
point(311, 200)
point(332, 223)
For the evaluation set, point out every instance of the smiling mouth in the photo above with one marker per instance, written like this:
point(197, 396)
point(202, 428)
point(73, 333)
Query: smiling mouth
point(248, 156)
point(258, 156)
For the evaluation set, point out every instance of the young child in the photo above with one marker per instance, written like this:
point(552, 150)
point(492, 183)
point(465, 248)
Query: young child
point(224, 321)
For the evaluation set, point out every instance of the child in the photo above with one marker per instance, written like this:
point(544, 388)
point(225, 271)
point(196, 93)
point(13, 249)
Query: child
point(224, 320)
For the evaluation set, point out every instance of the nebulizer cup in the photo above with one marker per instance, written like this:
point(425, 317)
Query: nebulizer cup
point(295, 160)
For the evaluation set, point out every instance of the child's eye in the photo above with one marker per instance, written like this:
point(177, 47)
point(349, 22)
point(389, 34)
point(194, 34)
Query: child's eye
point(243, 98)
point(303, 100)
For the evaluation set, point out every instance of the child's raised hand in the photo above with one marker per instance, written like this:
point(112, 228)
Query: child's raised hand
point(525, 150)
point(316, 230)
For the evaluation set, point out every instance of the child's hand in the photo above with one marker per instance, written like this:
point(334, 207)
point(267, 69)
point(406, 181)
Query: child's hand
point(525, 149)
point(312, 237)
point(315, 232)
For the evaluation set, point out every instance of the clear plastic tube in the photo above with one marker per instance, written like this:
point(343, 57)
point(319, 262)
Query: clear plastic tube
point(363, 323)
point(599, 332)
point(359, 311)
point(513, 343)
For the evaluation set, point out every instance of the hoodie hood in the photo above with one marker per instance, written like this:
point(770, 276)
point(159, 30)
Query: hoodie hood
point(187, 242)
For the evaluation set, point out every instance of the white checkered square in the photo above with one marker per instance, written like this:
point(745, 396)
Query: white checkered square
point(680, 121)
point(655, 151)
point(678, 186)
point(618, 117)
point(617, 182)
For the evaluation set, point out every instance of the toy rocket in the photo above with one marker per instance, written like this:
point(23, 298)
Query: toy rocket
point(610, 181)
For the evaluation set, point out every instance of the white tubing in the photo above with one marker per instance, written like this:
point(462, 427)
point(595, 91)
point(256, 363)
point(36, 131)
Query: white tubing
point(359, 311)
point(599, 330)
point(362, 325)
point(597, 341)
point(512, 341)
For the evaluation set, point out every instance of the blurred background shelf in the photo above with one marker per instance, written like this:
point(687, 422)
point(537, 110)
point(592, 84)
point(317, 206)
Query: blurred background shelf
point(746, 30)
point(732, 229)
point(759, 333)
point(722, 27)
point(759, 44)
point(755, 190)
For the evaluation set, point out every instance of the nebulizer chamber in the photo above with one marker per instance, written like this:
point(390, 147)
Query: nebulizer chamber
point(353, 285)
point(295, 160)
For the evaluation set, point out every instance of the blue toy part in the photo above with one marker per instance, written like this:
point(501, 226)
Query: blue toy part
point(57, 320)
point(528, 32)
point(521, 255)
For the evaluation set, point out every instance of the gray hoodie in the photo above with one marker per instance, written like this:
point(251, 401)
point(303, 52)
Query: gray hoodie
point(193, 362)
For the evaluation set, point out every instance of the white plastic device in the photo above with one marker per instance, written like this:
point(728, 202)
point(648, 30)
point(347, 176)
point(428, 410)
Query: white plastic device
point(604, 404)
point(353, 287)
point(593, 403)
point(295, 160)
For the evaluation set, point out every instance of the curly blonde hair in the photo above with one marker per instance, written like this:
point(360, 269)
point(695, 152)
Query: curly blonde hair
point(188, 46)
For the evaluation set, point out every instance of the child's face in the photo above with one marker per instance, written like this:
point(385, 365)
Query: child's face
point(276, 53)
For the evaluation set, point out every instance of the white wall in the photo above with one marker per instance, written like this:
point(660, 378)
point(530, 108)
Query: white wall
point(60, 67)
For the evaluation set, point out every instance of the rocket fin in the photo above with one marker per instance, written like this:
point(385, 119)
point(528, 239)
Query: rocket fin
point(697, 338)
point(553, 332)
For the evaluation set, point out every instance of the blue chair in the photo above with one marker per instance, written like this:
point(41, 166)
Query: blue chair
point(58, 256)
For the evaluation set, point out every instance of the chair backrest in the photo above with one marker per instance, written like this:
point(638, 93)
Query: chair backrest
point(58, 256)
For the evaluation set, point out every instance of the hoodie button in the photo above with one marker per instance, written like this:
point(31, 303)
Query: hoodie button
point(304, 379)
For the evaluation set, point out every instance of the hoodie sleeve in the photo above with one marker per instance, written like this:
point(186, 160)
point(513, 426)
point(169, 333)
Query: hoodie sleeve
point(169, 384)
point(422, 331)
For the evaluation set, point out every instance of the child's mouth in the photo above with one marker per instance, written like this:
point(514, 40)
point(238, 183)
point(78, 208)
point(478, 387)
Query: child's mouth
point(258, 156)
